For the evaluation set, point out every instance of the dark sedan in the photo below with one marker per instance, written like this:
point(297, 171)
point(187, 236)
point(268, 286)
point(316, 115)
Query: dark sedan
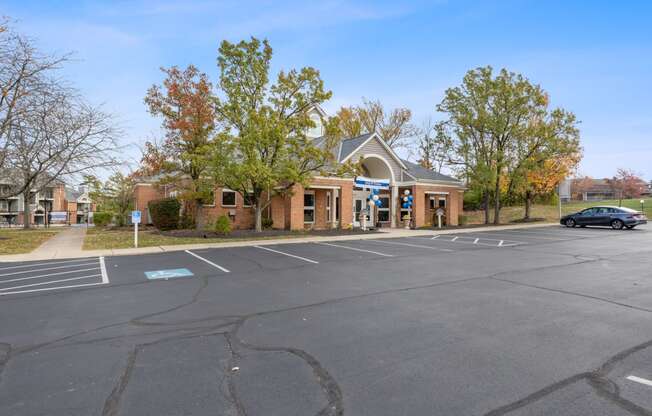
point(614, 217)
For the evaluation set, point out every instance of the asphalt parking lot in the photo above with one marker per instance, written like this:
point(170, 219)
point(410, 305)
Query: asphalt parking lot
point(539, 321)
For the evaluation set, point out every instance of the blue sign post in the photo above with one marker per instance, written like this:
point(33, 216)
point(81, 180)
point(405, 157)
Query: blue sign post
point(135, 220)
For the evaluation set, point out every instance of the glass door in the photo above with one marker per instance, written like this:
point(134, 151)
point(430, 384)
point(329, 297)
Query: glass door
point(358, 206)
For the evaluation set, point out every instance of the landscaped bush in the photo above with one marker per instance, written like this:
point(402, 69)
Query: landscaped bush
point(223, 225)
point(472, 200)
point(165, 213)
point(268, 223)
point(102, 219)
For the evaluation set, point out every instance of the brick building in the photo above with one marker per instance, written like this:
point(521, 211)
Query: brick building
point(334, 202)
point(56, 204)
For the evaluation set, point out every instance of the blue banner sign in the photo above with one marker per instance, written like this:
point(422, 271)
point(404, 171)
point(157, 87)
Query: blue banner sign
point(368, 183)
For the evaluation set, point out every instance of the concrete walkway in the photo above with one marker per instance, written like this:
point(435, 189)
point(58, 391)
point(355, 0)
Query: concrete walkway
point(68, 243)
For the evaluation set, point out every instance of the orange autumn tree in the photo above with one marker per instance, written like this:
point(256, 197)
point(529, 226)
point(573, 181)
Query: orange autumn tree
point(185, 104)
point(544, 179)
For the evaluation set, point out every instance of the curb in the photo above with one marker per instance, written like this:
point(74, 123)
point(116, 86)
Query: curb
point(393, 233)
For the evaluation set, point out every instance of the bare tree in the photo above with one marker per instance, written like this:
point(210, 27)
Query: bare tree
point(434, 146)
point(60, 137)
point(23, 72)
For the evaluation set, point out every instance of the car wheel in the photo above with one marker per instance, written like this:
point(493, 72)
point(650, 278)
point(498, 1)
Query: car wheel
point(617, 224)
point(570, 223)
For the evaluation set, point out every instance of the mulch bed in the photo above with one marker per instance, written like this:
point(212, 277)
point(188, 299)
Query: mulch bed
point(243, 234)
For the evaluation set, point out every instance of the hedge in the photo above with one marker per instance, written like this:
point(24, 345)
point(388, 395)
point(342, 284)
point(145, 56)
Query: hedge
point(165, 213)
point(102, 219)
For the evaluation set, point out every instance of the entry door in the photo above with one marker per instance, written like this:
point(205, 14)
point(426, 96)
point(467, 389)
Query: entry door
point(358, 206)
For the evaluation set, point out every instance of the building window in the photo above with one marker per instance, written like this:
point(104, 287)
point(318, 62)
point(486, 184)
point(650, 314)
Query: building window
point(442, 202)
point(383, 209)
point(4, 206)
point(309, 207)
point(328, 206)
point(248, 199)
point(228, 198)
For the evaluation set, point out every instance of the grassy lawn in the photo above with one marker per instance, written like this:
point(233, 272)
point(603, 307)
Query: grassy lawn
point(100, 238)
point(19, 241)
point(551, 212)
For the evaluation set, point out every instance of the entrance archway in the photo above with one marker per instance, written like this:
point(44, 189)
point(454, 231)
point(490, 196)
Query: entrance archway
point(375, 167)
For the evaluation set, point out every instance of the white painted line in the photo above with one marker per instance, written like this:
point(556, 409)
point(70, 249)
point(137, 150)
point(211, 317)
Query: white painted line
point(476, 241)
point(409, 245)
point(48, 268)
point(207, 261)
point(105, 276)
point(562, 232)
point(52, 281)
point(435, 237)
point(501, 243)
point(50, 288)
point(501, 233)
point(43, 264)
point(287, 254)
point(454, 238)
point(18, 279)
point(640, 380)
point(356, 249)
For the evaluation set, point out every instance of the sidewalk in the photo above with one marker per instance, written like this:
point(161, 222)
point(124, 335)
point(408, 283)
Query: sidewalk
point(67, 244)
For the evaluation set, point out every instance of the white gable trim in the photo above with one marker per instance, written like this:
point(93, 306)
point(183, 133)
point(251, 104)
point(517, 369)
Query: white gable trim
point(382, 142)
point(382, 159)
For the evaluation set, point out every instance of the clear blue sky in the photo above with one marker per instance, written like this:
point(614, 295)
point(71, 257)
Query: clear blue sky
point(593, 57)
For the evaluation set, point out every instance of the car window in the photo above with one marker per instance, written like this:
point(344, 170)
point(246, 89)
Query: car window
point(588, 212)
point(600, 211)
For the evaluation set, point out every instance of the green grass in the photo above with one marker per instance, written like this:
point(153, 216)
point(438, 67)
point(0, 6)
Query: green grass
point(19, 241)
point(551, 212)
point(101, 239)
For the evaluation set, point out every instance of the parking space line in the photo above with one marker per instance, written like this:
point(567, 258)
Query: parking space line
point(454, 238)
point(436, 237)
point(410, 245)
point(42, 264)
point(355, 249)
point(51, 282)
point(47, 268)
point(640, 380)
point(540, 233)
point(478, 241)
point(18, 279)
point(105, 275)
point(498, 234)
point(287, 254)
point(207, 261)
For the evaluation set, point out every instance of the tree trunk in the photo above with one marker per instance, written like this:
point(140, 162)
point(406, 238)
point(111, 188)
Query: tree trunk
point(485, 203)
point(26, 210)
point(528, 204)
point(259, 215)
point(497, 201)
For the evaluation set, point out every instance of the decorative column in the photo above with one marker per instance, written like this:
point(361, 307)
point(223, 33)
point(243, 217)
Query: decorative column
point(392, 205)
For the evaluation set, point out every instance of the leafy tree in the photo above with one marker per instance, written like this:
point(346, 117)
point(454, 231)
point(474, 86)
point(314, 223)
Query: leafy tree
point(263, 149)
point(548, 153)
point(627, 184)
point(118, 193)
point(185, 103)
point(487, 114)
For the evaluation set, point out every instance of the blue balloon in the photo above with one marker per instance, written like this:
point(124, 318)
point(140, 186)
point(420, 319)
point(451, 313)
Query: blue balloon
point(410, 198)
point(405, 205)
point(379, 204)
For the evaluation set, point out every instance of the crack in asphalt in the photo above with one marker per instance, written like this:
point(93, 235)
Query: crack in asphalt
point(598, 379)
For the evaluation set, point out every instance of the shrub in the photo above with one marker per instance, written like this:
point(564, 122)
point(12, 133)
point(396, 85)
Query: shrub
point(223, 225)
point(165, 213)
point(102, 219)
point(472, 200)
point(268, 223)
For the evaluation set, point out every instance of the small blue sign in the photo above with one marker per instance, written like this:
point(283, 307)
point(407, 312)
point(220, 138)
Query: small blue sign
point(135, 217)
point(168, 274)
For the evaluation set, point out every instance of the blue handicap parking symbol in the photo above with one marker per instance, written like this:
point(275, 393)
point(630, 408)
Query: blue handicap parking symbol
point(168, 274)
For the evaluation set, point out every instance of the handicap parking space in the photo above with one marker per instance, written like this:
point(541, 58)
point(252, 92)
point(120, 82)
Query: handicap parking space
point(54, 275)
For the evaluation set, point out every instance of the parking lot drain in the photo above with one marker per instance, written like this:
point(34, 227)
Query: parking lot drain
point(168, 274)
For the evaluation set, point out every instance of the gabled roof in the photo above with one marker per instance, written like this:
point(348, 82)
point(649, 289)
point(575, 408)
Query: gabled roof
point(349, 146)
point(419, 172)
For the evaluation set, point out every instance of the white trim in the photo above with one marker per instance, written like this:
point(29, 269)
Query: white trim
point(379, 157)
point(222, 198)
point(322, 187)
point(382, 142)
point(310, 208)
point(436, 193)
point(444, 184)
point(333, 178)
